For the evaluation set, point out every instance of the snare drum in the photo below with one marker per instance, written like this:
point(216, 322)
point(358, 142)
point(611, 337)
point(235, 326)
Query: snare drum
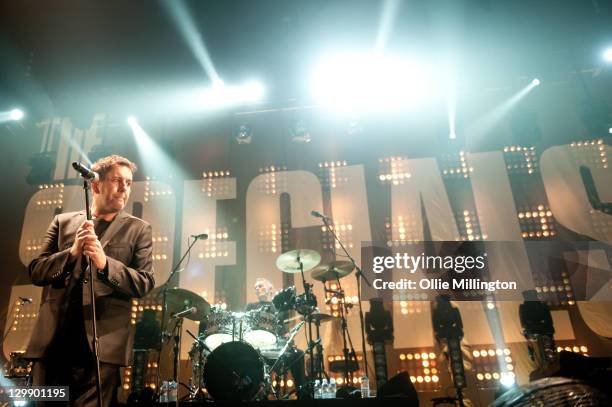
point(261, 328)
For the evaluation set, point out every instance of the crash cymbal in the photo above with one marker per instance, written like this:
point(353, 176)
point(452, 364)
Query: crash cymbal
point(332, 271)
point(179, 299)
point(321, 317)
point(288, 261)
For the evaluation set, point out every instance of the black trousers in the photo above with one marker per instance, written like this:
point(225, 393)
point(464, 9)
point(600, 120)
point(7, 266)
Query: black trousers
point(81, 381)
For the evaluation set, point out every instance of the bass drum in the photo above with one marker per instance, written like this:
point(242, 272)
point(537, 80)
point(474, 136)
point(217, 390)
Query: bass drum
point(234, 372)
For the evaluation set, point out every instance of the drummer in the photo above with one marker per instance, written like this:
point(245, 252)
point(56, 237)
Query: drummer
point(264, 291)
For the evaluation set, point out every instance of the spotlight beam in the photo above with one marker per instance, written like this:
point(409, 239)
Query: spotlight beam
point(451, 103)
point(493, 117)
point(186, 26)
point(387, 18)
point(154, 159)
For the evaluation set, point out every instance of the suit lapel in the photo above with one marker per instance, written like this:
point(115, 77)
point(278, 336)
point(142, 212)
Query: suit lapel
point(113, 228)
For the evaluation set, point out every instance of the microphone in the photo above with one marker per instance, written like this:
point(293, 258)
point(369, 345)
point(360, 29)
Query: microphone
point(25, 300)
point(182, 314)
point(317, 214)
point(201, 236)
point(85, 172)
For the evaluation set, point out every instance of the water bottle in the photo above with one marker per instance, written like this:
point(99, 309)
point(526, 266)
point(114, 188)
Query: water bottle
point(365, 387)
point(332, 388)
point(317, 389)
point(163, 392)
point(172, 391)
point(324, 389)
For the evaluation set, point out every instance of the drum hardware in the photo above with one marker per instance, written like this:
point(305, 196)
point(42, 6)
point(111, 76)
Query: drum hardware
point(349, 356)
point(184, 299)
point(279, 357)
point(306, 303)
point(284, 300)
point(298, 261)
point(292, 334)
point(235, 372)
point(340, 269)
point(261, 328)
point(332, 271)
point(197, 355)
point(295, 261)
point(219, 327)
point(340, 366)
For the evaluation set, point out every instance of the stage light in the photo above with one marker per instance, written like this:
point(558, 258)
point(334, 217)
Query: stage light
point(507, 379)
point(16, 114)
point(535, 82)
point(299, 132)
point(370, 82)
point(607, 55)
point(244, 134)
point(131, 120)
point(221, 95)
point(253, 91)
point(610, 130)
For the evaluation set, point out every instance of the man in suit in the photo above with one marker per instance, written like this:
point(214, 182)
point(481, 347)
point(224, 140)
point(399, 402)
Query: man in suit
point(120, 247)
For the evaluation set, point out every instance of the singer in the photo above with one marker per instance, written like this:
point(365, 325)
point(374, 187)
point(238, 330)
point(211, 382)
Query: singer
point(120, 247)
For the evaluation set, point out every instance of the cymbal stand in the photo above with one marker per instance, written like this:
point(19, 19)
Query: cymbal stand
point(345, 350)
point(309, 310)
point(320, 366)
point(359, 275)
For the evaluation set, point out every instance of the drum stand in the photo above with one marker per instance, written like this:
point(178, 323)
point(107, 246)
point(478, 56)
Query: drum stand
point(196, 391)
point(308, 308)
point(348, 354)
point(179, 323)
point(319, 365)
point(359, 275)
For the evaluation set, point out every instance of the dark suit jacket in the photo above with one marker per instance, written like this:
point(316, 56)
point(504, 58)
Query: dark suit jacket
point(128, 245)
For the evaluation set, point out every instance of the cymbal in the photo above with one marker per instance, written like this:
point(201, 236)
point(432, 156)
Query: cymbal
point(321, 317)
point(179, 299)
point(288, 261)
point(332, 271)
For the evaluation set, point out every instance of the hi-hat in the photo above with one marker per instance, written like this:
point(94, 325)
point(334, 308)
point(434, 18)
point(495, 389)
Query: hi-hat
point(179, 299)
point(288, 261)
point(332, 271)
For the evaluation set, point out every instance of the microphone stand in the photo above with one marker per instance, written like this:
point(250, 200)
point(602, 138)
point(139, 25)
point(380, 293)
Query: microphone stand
point(96, 354)
point(165, 310)
point(358, 275)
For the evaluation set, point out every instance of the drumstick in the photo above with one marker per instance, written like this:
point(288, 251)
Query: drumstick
point(292, 319)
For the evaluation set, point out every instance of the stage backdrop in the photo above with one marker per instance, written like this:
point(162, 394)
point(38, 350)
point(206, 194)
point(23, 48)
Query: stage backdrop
point(380, 179)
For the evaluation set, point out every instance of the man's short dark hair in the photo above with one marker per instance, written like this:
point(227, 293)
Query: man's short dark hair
point(105, 164)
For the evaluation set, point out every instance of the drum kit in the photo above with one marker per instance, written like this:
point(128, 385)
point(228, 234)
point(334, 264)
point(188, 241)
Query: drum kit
point(235, 354)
